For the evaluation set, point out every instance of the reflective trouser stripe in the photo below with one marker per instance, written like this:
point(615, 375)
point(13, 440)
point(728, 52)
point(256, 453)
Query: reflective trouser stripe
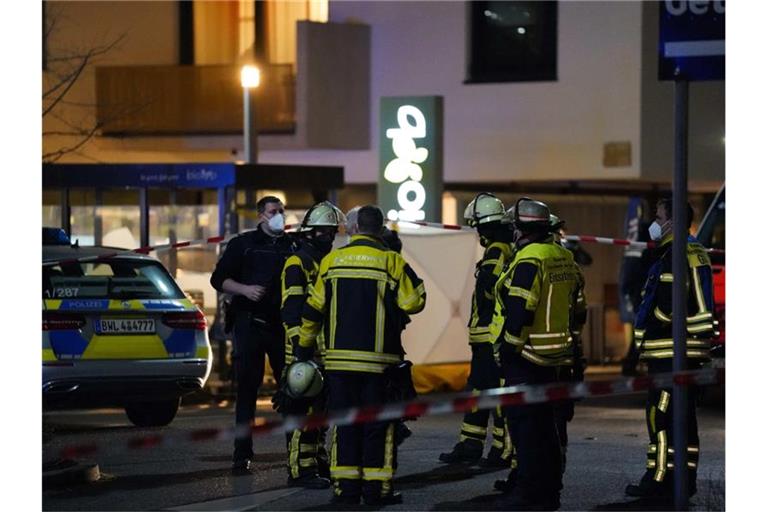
point(664, 401)
point(389, 458)
point(661, 456)
point(345, 472)
point(473, 429)
point(293, 453)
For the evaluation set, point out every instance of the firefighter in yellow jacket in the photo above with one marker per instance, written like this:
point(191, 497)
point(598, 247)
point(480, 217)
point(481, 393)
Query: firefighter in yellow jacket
point(484, 213)
point(307, 458)
point(537, 298)
point(358, 299)
point(653, 336)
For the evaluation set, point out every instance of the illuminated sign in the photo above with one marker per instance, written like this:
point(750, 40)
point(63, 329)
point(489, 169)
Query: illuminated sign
point(411, 158)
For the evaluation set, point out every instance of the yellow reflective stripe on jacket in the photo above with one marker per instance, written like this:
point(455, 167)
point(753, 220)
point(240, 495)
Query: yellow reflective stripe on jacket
point(560, 360)
point(509, 338)
point(666, 277)
point(380, 313)
point(666, 354)
point(480, 335)
point(358, 273)
point(516, 291)
point(362, 355)
point(668, 343)
point(294, 290)
point(344, 365)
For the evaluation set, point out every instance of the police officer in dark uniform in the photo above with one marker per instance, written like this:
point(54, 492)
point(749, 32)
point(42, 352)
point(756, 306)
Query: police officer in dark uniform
point(250, 270)
point(653, 336)
point(358, 299)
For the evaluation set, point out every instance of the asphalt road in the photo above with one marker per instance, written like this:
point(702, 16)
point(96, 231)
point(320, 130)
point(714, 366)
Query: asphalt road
point(607, 451)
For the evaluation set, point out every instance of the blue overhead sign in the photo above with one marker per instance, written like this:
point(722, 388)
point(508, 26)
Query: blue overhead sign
point(214, 175)
point(692, 40)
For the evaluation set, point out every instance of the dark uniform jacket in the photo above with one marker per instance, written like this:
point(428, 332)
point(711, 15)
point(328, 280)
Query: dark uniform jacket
point(489, 268)
point(653, 324)
point(299, 272)
point(255, 258)
point(358, 299)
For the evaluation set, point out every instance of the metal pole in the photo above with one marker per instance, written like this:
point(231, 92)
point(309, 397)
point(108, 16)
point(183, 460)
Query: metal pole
point(679, 292)
point(144, 216)
point(221, 200)
point(250, 130)
point(98, 224)
point(66, 212)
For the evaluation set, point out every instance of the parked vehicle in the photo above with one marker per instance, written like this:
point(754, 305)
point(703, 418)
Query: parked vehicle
point(118, 331)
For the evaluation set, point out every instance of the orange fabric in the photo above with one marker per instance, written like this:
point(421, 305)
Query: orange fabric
point(429, 378)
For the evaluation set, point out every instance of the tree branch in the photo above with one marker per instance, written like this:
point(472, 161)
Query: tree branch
point(71, 78)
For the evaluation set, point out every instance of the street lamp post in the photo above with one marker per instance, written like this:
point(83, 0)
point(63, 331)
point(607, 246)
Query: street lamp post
point(249, 79)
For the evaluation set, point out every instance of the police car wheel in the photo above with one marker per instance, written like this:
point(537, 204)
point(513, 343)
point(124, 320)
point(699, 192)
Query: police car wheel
point(152, 414)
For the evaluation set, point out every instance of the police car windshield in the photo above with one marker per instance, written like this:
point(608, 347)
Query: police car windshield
point(116, 278)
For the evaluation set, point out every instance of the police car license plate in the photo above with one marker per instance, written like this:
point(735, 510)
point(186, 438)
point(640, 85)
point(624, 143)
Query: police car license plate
point(125, 326)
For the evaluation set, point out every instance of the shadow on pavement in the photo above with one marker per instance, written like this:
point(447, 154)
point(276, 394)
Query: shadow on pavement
point(482, 502)
point(111, 483)
point(441, 474)
point(639, 504)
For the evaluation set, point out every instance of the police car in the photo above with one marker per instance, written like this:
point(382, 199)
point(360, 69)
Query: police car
point(118, 331)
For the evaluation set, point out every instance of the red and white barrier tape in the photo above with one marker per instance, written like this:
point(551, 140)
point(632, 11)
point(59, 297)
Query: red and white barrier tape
point(450, 227)
point(462, 402)
point(620, 241)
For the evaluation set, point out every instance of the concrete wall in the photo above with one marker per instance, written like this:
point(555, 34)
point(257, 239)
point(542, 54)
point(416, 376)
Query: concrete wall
point(706, 149)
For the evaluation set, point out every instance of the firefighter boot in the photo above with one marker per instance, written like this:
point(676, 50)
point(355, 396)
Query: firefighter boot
point(465, 452)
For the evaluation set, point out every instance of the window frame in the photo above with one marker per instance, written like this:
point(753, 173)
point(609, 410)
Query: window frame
point(474, 75)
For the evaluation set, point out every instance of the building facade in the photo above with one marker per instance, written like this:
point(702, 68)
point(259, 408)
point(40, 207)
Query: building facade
point(559, 100)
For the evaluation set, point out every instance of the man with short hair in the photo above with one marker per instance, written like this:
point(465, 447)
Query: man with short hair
point(250, 270)
point(654, 339)
point(360, 292)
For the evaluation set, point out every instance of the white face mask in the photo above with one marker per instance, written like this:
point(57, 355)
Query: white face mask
point(276, 224)
point(654, 231)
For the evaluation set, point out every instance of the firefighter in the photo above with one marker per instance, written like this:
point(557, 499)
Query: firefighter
point(307, 459)
point(564, 410)
point(536, 299)
point(653, 336)
point(358, 298)
point(484, 213)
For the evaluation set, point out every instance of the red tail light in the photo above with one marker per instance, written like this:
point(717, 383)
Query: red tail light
point(186, 320)
point(55, 321)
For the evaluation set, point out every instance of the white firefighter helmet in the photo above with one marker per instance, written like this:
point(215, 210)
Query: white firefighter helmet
point(531, 214)
point(323, 214)
point(303, 379)
point(509, 216)
point(485, 207)
point(555, 222)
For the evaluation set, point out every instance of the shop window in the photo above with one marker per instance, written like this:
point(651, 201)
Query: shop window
point(512, 42)
point(52, 208)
